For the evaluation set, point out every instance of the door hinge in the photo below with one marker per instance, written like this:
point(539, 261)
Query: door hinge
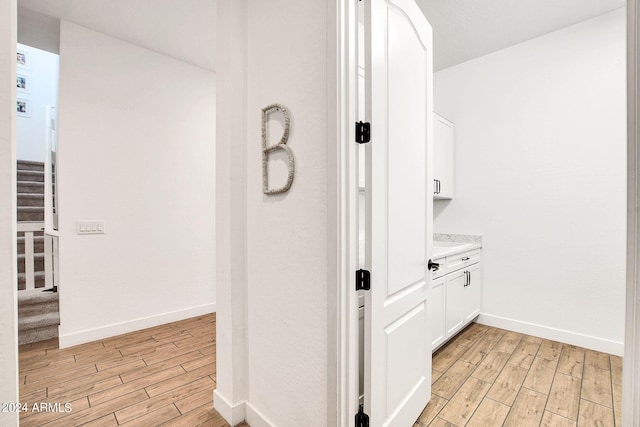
point(363, 280)
point(363, 132)
point(362, 419)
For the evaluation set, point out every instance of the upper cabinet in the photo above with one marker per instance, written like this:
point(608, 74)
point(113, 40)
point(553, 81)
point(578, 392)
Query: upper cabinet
point(442, 158)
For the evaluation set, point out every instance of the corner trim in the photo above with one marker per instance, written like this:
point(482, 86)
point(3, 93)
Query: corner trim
point(241, 411)
point(88, 335)
point(573, 338)
point(233, 414)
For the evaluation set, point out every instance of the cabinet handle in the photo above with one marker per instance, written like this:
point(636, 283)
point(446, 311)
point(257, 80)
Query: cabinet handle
point(435, 186)
point(469, 278)
point(439, 187)
point(465, 258)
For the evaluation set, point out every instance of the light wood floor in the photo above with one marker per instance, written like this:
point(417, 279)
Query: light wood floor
point(491, 377)
point(166, 375)
point(159, 376)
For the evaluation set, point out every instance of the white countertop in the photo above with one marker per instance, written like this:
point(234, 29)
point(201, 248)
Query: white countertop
point(442, 249)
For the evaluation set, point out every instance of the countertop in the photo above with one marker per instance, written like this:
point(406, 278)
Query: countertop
point(443, 245)
point(443, 249)
point(452, 244)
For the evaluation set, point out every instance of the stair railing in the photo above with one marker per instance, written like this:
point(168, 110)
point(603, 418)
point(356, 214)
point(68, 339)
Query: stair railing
point(50, 256)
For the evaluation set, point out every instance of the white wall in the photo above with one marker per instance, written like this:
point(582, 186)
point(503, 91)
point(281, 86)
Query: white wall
point(540, 173)
point(136, 149)
point(287, 235)
point(41, 91)
point(8, 287)
point(286, 240)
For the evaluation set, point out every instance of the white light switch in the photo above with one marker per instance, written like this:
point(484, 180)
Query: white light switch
point(90, 227)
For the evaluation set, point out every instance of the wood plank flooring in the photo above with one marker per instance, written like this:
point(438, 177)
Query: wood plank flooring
point(166, 376)
point(491, 377)
point(159, 376)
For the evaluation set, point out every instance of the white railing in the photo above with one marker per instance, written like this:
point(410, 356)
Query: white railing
point(50, 255)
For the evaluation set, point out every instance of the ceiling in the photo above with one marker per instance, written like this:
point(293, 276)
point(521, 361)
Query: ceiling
point(182, 29)
point(467, 29)
point(463, 29)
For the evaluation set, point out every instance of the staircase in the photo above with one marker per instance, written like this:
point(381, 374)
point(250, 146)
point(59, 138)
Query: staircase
point(38, 316)
point(38, 313)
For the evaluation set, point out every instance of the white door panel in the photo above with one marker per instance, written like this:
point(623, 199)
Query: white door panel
point(399, 212)
point(406, 153)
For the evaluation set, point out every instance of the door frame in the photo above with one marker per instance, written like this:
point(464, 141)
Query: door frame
point(631, 368)
point(342, 390)
point(9, 378)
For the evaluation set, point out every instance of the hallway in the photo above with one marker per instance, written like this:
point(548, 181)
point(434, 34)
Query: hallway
point(158, 376)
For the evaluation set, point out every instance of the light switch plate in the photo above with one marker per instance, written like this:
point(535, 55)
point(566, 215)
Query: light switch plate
point(90, 227)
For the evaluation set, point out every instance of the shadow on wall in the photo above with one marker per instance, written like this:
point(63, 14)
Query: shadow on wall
point(439, 206)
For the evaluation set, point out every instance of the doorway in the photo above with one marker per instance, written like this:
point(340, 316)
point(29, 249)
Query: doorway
point(37, 222)
point(616, 343)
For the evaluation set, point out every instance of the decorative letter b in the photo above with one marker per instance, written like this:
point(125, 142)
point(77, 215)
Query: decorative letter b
point(282, 145)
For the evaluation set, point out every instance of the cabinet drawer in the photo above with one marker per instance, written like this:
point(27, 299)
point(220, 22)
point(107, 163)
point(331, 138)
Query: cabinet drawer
point(442, 269)
point(462, 260)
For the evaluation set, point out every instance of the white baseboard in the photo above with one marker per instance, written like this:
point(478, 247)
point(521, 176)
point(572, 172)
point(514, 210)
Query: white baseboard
point(256, 419)
point(88, 335)
point(568, 337)
point(233, 414)
point(243, 411)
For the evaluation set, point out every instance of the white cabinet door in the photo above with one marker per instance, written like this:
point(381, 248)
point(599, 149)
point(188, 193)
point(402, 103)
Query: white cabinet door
point(443, 158)
point(473, 292)
point(437, 304)
point(454, 311)
point(398, 244)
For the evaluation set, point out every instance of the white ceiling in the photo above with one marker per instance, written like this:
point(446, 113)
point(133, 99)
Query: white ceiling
point(463, 29)
point(182, 29)
point(467, 29)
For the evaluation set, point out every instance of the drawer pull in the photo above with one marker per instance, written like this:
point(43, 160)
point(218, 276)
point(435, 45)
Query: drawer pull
point(466, 258)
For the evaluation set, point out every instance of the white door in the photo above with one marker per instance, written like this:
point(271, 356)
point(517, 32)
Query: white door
point(399, 208)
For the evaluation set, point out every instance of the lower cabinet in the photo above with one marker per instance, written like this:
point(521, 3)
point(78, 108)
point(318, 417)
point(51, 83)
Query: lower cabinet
point(472, 293)
point(436, 311)
point(455, 297)
point(454, 302)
